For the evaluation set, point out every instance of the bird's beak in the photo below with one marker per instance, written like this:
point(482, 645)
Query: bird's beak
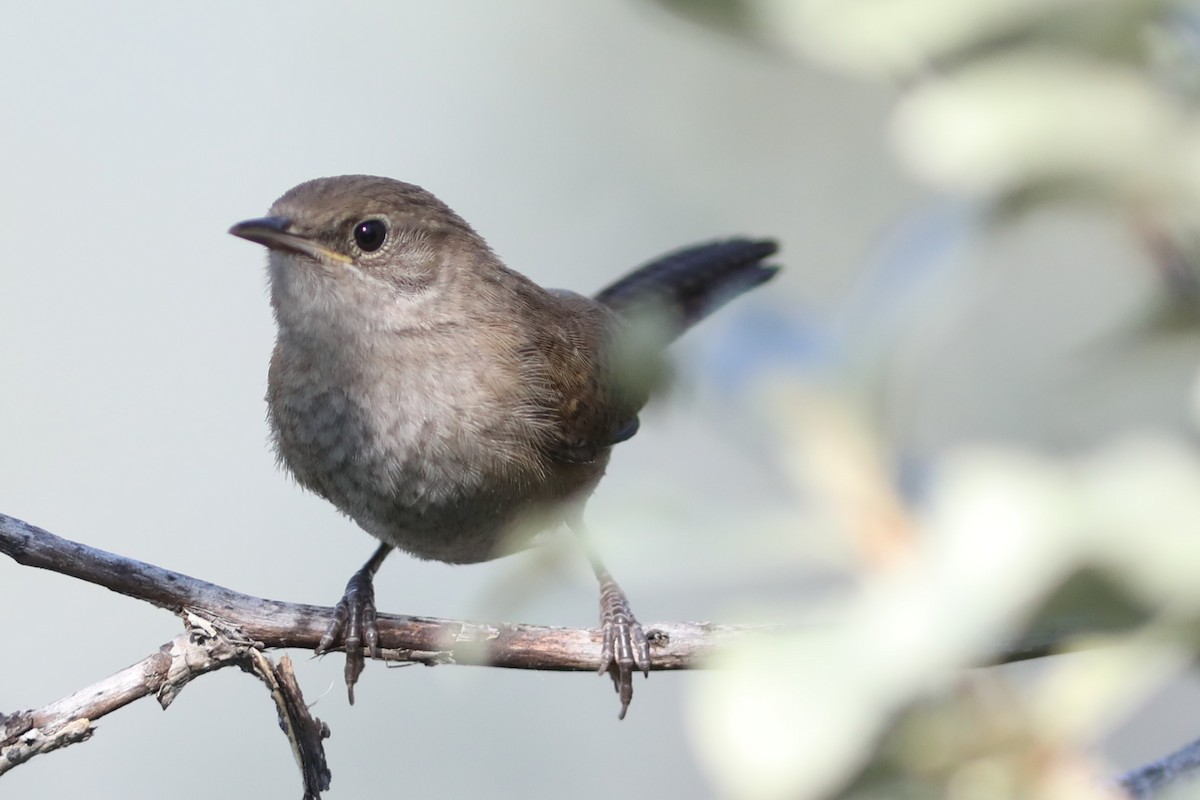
point(276, 233)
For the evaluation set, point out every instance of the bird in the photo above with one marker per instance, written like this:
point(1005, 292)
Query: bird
point(450, 406)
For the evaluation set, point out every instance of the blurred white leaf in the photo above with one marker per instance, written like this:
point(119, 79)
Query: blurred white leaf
point(799, 716)
point(1080, 698)
point(794, 718)
point(1034, 117)
point(1143, 495)
point(898, 37)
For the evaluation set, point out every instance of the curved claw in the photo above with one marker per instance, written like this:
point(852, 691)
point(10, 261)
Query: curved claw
point(354, 627)
point(625, 646)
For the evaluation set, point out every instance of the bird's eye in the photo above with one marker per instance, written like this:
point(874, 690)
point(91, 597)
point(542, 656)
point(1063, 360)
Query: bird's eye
point(370, 234)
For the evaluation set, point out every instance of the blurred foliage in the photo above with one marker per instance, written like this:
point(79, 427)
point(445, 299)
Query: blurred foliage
point(1015, 106)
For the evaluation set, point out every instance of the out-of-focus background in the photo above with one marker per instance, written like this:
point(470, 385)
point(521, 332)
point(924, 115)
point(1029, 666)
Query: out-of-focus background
point(953, 276)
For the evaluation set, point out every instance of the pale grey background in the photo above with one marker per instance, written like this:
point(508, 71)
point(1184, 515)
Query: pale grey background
point(579, 138)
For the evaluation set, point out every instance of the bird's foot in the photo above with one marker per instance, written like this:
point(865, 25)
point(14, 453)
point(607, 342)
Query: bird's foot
point(354, 627)
point(626, 647)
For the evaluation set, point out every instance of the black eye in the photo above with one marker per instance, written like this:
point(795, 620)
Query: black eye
point(370, 234)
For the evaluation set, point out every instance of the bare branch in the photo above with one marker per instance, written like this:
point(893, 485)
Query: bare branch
point(228, 627)
point(201, 650)
point(426, 640)
point(67, 720)
point(305, 732)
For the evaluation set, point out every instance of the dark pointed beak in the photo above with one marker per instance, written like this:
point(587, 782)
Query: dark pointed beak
point(269, 231)
point(277, 234)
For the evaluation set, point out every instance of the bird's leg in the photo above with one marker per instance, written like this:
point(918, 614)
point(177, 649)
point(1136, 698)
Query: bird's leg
point(353, 623)
point(625, 646)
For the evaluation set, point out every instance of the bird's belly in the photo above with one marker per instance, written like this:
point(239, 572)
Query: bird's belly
point(410, 483)
point(455, 532)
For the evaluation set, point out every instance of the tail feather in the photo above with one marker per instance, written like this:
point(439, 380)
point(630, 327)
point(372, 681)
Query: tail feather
point(687, 285)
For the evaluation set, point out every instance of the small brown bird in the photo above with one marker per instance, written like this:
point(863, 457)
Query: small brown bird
point(448, 405)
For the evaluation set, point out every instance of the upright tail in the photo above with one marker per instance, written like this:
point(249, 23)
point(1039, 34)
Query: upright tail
point(687, 285)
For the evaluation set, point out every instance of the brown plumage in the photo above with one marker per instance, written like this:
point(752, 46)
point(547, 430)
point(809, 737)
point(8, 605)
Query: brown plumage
point(449, 405)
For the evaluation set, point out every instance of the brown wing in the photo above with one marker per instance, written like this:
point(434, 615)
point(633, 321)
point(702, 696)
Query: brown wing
point(570, 366)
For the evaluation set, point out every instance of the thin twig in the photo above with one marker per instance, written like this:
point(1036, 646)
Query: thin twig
point(1166, 777)
point(202, 649)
